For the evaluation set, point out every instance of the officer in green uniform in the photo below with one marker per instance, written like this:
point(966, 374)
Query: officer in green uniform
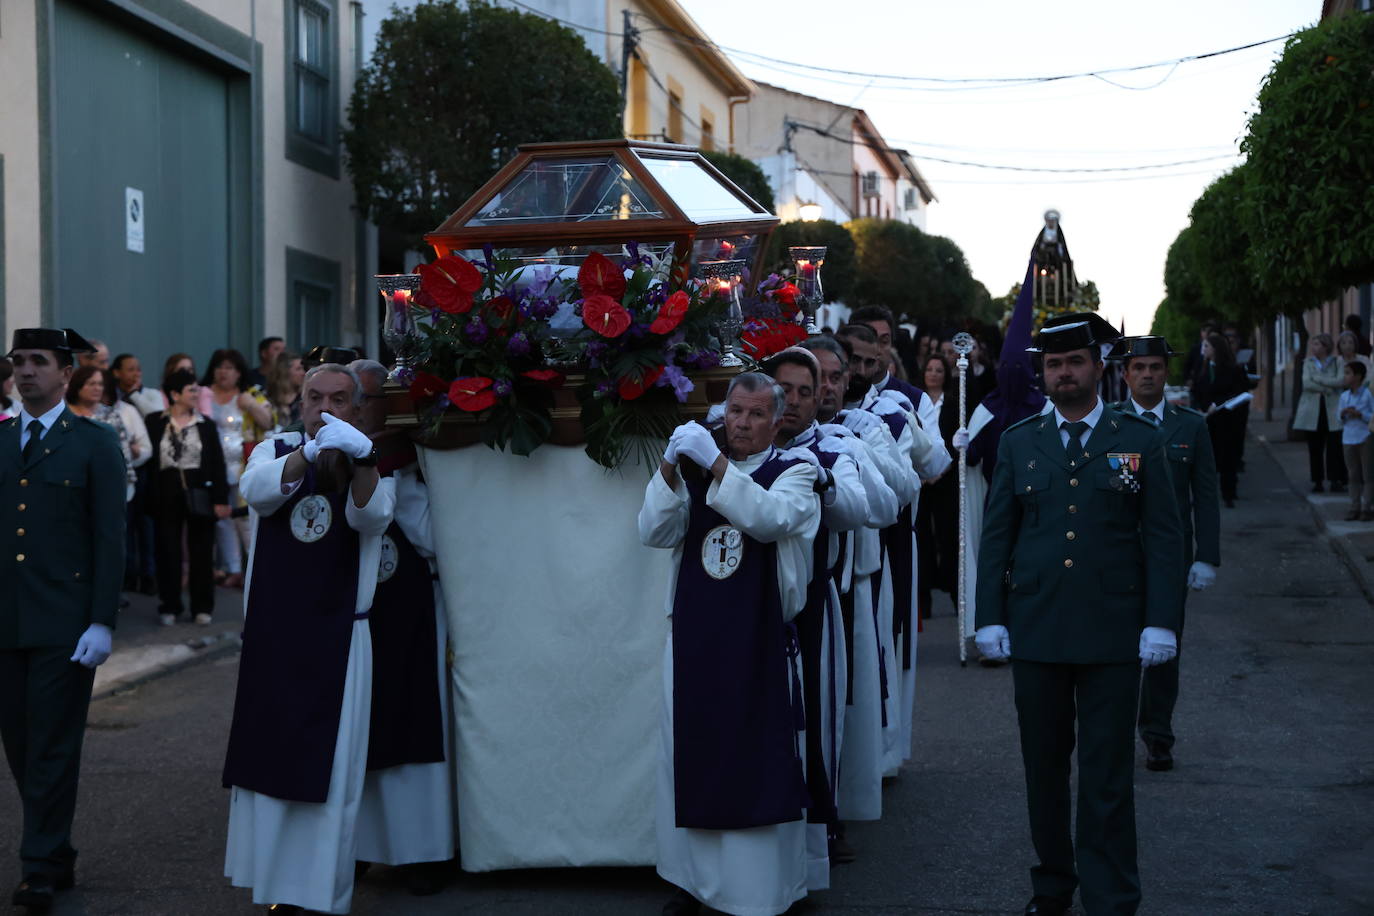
point(1079, 579)
point(1189, 448)
point(62, 489)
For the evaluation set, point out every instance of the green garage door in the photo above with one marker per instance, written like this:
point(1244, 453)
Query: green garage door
point(131, 113)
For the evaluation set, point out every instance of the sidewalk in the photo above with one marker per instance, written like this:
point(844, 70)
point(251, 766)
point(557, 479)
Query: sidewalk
point(143, 648)
point(1354, 541)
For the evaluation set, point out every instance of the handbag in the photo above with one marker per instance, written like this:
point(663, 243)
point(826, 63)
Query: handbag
point(198, 504)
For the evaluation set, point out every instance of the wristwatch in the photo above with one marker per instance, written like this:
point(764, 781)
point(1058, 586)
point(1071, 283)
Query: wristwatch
point(367, 461)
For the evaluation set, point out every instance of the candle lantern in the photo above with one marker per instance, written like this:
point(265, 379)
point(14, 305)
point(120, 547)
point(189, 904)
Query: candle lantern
point(808, 260)
point(399, 330)
point(725, 279)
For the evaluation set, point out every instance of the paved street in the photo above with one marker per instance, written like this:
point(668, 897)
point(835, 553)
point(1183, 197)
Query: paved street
point(1267, 811)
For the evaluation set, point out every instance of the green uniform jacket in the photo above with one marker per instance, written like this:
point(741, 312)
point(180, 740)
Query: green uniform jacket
point(62, 529)
point(1076, 560)
point(1189, 447)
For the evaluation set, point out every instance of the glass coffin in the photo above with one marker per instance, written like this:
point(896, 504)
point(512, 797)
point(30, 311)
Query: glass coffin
point(555, 203)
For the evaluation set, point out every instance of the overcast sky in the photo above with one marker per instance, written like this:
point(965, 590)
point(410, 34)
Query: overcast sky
point(1118, 225)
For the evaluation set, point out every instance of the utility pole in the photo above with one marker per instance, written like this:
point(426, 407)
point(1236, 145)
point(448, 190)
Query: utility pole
point(628, 38)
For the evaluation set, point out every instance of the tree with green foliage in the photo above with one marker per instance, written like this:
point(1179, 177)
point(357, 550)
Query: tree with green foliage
point(837, 277)
point(903, 268)
point(453, 89)
point(1183, 269)
point(745, 173)
point(1180, 329)
point(1308, 207)
point(1221, 245)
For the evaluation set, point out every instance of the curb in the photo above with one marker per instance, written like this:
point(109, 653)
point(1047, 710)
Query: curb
point(203, 649)
point(1359, 568)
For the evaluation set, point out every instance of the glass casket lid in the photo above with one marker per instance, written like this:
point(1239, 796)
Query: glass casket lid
point(569, 190)
point(698, 193)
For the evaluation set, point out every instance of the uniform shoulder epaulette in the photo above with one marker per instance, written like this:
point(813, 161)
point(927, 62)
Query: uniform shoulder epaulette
point(1192, 410)
point(1031, 419)
point(1135, 418)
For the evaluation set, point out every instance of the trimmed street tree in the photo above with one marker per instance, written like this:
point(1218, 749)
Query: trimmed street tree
point(745, 173)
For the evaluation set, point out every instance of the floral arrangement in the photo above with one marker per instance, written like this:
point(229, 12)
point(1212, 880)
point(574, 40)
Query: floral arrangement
point(502, 337)
point(771, 318)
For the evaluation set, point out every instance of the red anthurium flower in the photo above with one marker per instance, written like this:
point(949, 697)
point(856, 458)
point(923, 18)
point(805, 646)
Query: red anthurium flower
point(472, 394)
point(671, 314)
point(545, 377)
point(426, 386)
point(766, 336)
point(598, 276)
point(630, 388)
point(450, 282)
point(501, 307)
point(787, 294)
point(605, 316)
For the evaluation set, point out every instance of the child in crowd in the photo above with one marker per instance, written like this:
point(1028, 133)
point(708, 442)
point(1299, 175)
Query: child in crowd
point(1357, 412)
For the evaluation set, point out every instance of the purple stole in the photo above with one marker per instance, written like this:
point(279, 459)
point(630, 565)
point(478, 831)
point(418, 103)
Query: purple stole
point(296, 641)
point(735, 757)
point(407, 719)
point(817, 694)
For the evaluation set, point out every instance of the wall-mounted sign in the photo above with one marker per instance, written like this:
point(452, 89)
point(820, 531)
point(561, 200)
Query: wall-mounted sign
point(133, 219)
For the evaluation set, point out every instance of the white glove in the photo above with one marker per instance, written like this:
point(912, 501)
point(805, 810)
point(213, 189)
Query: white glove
point(696, 443)
point(94, 646)
point(715, 415)
point(886, 406)
point(1201, 576)
point(994, 642)
point(960, 438)
point(343, 436)
point(1157, 646)
point(896, 397)
point(860, 421)
point(805, 454)
point(835, 445)
point(310, 450)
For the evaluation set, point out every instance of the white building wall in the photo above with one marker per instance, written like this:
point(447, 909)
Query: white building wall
point(19, 218)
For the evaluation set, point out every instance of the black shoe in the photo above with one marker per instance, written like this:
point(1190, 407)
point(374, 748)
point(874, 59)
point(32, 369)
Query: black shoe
point(1158, 757)
point(992, 662)
point(36, 891)
point(359, 869)
point(1318, 488)
point(1338, 486)
point(682, 904)
point(147, 586)
point(841, 853)
point(1047, 906)
point(1230, 502)
point(424, 879)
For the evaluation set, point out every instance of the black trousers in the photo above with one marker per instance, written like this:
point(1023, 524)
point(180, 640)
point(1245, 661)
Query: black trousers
point(42, 722)
point(1226, 432)
point(1102, 701)
point(1325, 443)
point(171, 517)
point(1159, 694)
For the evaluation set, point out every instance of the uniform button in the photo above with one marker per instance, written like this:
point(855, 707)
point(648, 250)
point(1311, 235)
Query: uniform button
point(1073, 481)
point(1068, 563)
point(1072, 509)
point(22, 507)
point(23, 481)
point(1073, 463)
point(20, 532)
point(1028, 489)
point(66, 483)
point(20, 558)
point(1070, 535)
point(78, 575)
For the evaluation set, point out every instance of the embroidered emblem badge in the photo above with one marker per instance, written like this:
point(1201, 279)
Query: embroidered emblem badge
point(386, 566)
point(311, 518)
point(721, 551)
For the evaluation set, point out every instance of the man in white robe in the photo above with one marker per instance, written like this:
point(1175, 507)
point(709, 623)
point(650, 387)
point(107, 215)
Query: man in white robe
point(761, 510)
point(296, 777)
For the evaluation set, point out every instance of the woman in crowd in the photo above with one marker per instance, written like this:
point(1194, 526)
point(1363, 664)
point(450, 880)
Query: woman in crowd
point(284, 382)
point(9, 407)
point(1218, 380)
point(242, 420)
point(1348, 346)
point(178, 361)
point(88, 395)
point(1318, 414)
point(191, 493)
point(937, 513)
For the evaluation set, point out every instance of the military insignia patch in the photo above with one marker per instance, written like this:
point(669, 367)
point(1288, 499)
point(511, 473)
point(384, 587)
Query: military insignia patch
point(1126, 464)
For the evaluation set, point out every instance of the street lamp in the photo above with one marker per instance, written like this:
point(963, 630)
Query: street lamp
point(810, 211)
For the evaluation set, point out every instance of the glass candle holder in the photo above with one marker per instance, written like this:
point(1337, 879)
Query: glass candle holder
point(399, 330)
point(808, 260)
point(724, 279)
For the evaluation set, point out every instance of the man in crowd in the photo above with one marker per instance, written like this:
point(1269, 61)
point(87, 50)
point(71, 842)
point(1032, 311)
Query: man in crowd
point(1194, 473)
point(406, 818)
point(268, 349)
point(128, 376)
point(61, 564)
point(740, 522)
point(298, 744)
point(97, 357)
point(128, 373)
point(879, 320)
point(820, 630)
point(1080, 576)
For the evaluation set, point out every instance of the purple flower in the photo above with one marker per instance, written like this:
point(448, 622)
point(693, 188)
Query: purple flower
point(701, 359)
point(604, 388)
point(501, 388)
point(518, 345)
point(676, 379)
point(476, 330)
point(487, 255)
point(596, 349)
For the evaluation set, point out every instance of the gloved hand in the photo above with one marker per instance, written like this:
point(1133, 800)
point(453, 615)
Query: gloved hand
point(960, 438)
point(715, 415)
point(896, 397)
point(836, 445)
point(1157, 646)
point(1201, 576)
point(696, 443)
point(310, 450)
point(860, 421)
point(994, 642)
point(94, 645)
point(340, 434)
point(805, 454)
point(670, 454)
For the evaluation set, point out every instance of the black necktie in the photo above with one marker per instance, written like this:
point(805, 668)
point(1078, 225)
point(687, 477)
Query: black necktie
point(1152, 417)
point(35, 433)
point(1074, 447)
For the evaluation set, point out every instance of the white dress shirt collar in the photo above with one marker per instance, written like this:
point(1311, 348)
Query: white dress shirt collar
point(1091, 419)
point(47, 419)
point(1157, 410)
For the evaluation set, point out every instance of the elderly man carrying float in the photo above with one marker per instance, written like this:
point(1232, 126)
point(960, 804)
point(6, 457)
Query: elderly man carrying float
point(731, 790)
point(298, 745)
